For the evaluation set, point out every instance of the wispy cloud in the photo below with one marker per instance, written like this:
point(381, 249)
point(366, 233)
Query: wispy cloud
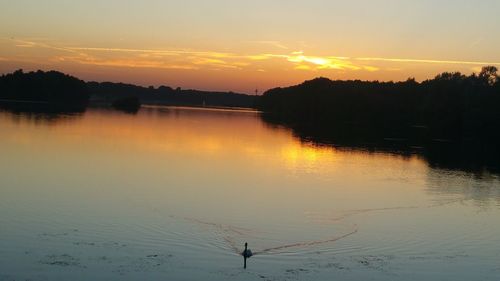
point(188, 59)
point(371, 68)
point(23, 43)
point(126, 63)
point(173, 52)
point(137, 58)
point(305, 62)
point(316, 62)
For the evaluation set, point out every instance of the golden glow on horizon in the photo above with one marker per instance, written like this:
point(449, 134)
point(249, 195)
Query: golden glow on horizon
point(246, 45)
point(38, 51)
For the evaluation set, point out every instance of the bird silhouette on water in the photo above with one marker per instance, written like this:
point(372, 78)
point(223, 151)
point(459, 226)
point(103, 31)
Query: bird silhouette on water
point(247, 253)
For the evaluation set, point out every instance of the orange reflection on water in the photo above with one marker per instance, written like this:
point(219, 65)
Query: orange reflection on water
point(177, 153)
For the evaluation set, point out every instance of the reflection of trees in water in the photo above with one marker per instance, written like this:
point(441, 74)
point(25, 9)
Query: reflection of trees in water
point(466, 186)
point(40, 116)
point(461, 170)
point(452, 120)
point(477, 156)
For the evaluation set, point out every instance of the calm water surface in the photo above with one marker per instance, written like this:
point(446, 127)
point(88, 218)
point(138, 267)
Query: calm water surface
point(174, 193)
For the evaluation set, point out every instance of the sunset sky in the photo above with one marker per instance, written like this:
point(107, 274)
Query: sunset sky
point(243, 45)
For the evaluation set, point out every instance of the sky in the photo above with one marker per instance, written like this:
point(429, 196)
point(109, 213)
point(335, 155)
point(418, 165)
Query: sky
point(243, 46)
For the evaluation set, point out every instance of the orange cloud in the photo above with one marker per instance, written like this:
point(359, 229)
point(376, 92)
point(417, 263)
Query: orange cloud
point(188, 59)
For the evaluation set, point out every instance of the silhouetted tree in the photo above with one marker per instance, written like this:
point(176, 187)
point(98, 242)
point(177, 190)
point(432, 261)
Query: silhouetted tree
point(489, 75)
point(130, 105)
point(451, 105)
point(452, 120)
point(107, 92)
point(39, 86)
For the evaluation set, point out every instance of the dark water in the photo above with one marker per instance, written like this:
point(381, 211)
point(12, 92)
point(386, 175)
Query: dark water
point(174, 193)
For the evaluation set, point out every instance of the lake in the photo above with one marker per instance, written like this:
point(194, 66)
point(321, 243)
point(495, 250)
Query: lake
point(173, 193)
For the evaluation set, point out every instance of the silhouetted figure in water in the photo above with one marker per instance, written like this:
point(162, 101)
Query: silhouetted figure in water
point(247, 253)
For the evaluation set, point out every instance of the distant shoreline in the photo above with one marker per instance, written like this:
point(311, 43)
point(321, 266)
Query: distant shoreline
point(217, 108)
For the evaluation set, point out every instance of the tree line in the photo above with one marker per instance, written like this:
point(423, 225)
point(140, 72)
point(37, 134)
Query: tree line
point(43, 87)
point(55, 88)
point(451, 105)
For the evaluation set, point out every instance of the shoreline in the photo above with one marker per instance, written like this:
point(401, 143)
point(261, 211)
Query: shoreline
point(196, 107)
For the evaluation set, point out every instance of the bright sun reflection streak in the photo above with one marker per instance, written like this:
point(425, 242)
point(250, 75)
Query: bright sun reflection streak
point(297, 156)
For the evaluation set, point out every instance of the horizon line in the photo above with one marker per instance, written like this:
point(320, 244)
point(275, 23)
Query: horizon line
point(230, 91)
